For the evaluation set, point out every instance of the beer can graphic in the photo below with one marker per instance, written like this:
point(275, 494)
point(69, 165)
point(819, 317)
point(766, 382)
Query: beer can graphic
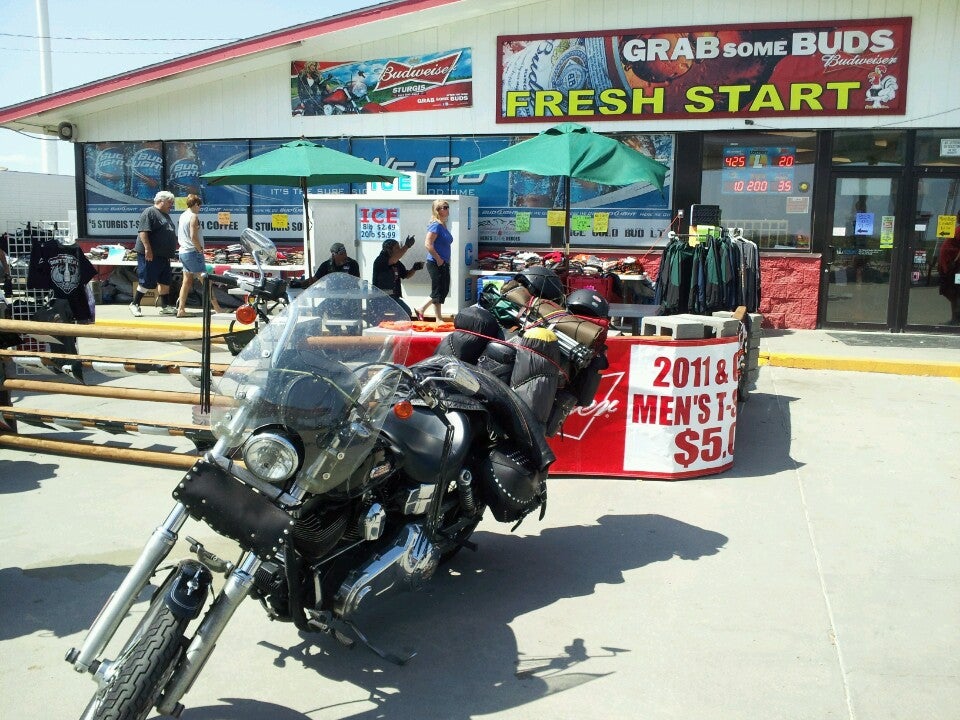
point(183, 168)
point(110, 167)
point(146, 171)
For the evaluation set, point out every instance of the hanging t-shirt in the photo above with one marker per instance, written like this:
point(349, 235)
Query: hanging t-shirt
point(64, 269)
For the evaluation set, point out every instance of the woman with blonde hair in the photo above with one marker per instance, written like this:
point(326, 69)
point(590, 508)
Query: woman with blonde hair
point(190, 238)
point(438, 242)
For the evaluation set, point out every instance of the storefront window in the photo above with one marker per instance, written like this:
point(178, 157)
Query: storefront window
point(868, 147)
point(938, 147)
point(763, 183)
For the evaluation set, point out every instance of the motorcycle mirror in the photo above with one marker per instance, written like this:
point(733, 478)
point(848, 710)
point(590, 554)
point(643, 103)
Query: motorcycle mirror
point(258, 245)
point(461, 377)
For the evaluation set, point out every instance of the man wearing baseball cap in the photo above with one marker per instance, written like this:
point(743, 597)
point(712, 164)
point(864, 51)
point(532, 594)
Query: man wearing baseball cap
point(339, 262)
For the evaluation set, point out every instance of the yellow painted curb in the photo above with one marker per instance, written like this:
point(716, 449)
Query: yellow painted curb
point(893, 367)
point(147, 323)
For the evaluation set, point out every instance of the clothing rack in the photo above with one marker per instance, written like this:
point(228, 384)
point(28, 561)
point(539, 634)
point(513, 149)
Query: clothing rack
point(702, 273)
point(25, 301)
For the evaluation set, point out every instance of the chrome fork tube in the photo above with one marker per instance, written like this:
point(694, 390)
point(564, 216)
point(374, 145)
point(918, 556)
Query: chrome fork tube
point(106, 623)
point(235, 589)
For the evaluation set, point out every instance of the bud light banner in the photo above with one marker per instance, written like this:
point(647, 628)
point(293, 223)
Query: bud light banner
point(434, 81)
point(809, 69)
point(122, 178)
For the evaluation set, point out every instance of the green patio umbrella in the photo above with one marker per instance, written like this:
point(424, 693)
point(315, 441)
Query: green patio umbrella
point(302, 164)
point(572, 151)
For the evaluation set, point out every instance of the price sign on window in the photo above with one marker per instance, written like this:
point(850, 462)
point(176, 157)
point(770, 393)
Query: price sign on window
point(376, 224)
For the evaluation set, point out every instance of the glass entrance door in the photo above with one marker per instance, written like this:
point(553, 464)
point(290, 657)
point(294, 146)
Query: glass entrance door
point(860, 256)
point(938, 200)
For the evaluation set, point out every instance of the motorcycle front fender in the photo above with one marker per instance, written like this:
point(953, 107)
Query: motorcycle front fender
point(187, 593)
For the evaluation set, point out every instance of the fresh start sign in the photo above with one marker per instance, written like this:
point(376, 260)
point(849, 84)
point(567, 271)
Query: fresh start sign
point(856, 67)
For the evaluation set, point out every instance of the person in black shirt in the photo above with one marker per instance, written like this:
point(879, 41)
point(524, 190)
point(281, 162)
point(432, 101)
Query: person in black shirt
point(388, 271)
point(339, 262)
point(156, 246)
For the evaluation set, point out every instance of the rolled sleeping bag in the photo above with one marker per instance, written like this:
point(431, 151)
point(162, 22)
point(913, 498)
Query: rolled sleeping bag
point(498, 359)
point(478, 325)
point(536, 371)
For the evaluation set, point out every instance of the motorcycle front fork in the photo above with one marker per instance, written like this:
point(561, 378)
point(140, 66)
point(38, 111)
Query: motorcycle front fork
point(118, 605)
point(236, 587)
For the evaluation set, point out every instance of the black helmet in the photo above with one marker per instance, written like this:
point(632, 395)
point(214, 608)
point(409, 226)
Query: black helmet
point(542, 283)
point(588, 303)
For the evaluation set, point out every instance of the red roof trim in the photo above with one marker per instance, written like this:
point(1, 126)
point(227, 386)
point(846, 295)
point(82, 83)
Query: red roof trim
point(204, 58)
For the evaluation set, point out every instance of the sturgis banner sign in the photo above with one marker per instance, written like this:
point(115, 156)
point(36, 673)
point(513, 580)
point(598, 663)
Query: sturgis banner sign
point(856, 67)
point(425, 82)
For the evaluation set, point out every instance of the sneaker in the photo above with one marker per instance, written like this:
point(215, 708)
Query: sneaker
point(168, 310)
point(135, 310)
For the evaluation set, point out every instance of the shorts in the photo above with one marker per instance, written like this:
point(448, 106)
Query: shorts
point(439, 281)
point(193, 261)
point(151, 273)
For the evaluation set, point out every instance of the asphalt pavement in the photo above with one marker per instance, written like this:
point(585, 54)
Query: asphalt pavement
point(818, 578)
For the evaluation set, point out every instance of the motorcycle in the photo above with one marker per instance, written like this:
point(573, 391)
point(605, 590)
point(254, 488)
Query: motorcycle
point(344, 473)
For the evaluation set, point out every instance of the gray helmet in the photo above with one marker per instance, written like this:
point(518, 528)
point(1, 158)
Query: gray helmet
point(542, 283)
point(588, 303)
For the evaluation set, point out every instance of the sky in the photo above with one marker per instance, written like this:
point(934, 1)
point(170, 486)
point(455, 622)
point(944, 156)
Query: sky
point(98, 38)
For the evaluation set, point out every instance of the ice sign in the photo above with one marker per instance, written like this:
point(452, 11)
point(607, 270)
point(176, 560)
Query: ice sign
point(378, 223)
point(411, 184)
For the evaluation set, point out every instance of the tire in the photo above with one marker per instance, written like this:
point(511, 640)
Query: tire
point(142, 669)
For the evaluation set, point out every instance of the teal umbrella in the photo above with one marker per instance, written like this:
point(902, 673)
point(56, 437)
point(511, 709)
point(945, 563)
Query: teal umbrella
point(302, 164)
point(572, 151)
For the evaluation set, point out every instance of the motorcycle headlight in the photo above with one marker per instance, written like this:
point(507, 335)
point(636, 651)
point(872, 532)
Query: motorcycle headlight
point(271, 457)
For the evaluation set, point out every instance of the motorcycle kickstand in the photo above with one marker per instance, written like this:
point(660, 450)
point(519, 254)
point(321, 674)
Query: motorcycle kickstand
point(337, 627)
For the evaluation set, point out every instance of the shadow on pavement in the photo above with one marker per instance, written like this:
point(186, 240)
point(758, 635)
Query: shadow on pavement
point(62, 600)
point(764, 434)
point(24, 475)
point(468, 663)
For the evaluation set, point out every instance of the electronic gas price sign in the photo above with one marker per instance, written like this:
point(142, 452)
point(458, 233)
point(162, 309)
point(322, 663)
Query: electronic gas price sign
point(758, 170)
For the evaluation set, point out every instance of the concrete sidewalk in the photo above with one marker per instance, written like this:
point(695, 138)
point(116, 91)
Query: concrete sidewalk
point(817, 578)
point(900, 354)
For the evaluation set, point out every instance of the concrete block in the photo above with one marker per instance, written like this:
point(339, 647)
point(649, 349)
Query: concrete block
point(714, 326)
point(678, 327)
point(753, 358)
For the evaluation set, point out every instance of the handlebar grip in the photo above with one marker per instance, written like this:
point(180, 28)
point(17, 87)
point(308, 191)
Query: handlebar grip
point(223, 280)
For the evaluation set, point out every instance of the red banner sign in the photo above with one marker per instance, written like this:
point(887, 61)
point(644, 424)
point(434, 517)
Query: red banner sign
point(855, 67)
point(664, 409)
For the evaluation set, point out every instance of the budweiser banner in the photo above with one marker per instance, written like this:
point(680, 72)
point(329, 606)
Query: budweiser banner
point(664, 409)
point(855, 67)
point(425, 82)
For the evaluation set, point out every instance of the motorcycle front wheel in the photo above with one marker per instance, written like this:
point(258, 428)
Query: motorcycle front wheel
point(143, 668)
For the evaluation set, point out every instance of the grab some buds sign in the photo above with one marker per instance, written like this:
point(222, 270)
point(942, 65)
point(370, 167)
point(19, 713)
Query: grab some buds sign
point(856, 67)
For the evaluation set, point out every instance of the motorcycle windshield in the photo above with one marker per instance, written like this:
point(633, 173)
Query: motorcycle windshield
point(324, 373)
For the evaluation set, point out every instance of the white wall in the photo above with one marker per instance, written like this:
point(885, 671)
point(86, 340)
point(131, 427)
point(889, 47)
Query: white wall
point(249, 98)
point(35, 197)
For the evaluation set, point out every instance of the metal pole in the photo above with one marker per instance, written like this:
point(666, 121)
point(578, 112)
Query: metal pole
point(48, 152)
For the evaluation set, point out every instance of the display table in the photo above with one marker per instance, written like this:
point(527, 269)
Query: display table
point(665, 409)
point(633, 314)
point(268, 269)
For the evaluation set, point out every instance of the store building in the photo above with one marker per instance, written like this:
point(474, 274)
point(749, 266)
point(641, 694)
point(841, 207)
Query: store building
point(831, 135)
